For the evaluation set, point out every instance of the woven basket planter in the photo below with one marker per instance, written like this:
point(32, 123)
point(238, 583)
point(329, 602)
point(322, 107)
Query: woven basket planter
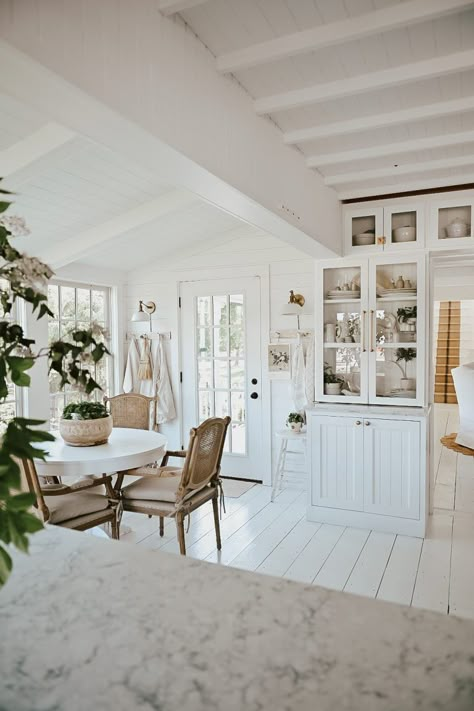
point(86, 433)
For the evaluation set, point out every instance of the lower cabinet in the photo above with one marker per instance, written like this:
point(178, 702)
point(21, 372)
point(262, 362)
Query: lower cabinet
point(368, 471)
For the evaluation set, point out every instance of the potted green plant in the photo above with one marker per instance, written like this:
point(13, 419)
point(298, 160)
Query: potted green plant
point(295, 421)
point(85, 424)
point(332, 382)
point(406, 316)
point(26, 279)
point(405, 355)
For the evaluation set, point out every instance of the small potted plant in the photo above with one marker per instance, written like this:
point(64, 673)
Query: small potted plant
point(295, 421)
point(85, 424)
point(405, 355)
point(332, 382)
point(406, 317)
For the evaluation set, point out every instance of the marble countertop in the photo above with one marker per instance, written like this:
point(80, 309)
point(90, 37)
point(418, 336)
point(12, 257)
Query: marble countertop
point(88, 624)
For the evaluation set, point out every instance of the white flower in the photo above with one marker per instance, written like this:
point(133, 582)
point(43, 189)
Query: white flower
point(32, 272)
point(98, 331)
point(14, 224)
point(86, 358)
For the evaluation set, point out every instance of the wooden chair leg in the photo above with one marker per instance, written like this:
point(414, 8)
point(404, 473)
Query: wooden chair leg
point(162, 526)
point(215, 506)
point(115, 529)
point(180, 527)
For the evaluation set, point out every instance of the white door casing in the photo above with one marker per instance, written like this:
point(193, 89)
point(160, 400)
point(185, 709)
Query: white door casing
point(221, 357)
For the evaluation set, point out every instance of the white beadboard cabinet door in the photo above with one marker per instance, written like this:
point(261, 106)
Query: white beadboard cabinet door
point(337, 462)
point(392, 467)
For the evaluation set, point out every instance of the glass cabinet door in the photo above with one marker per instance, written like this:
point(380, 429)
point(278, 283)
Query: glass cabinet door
point(396, 335)
point(341, 365)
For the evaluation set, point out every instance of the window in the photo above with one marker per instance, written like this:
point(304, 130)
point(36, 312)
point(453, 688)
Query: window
point(75, 307)
point(10, 408)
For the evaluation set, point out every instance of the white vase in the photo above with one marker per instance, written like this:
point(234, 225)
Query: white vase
point(86, 433)
point(295, 426)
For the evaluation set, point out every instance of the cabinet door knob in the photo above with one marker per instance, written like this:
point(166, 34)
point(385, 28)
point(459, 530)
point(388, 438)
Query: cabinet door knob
point(254, 396)
point(358, 422)
point(367, 423)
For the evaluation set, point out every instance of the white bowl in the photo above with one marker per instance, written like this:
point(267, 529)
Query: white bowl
point(404, 234)
point(364, 239)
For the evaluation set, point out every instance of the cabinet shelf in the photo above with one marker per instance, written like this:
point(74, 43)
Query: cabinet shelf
point(342, 301)
point(409, 297)
point(342, 345)
point(400, 344)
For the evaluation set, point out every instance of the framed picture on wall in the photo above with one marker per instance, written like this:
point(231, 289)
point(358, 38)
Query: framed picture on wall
point(279, 361)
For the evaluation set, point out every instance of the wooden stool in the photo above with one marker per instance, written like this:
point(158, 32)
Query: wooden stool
point(285, 436)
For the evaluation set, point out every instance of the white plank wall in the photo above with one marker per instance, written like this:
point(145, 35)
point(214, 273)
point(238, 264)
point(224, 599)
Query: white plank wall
point(287, 269)
point(434, 573)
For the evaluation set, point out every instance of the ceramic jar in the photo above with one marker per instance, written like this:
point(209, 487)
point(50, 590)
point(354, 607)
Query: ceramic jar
point(457, 228)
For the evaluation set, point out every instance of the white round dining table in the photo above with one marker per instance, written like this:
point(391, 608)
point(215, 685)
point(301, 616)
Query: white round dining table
point(126, 449)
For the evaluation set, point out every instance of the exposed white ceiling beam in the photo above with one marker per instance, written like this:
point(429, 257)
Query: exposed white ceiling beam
point(171, 7)
point(361, 175)
point(81, 245)
point(36, 145)
point(402, 74)
point(387, 149)
point(389, 18)
point(429, 183)
point(391, 118)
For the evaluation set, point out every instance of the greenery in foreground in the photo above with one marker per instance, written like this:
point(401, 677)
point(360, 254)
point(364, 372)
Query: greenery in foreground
point(27, 279)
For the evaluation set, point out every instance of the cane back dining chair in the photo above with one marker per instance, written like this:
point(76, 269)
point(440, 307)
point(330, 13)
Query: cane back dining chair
point(181, 491)
point(132, 410)
point(75, 506)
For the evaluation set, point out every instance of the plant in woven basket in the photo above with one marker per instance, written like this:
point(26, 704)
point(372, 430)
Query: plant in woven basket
point(85, 411)
point(27, 279)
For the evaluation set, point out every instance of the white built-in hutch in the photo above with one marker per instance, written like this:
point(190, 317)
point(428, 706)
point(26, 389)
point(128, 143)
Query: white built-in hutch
point(369, 430)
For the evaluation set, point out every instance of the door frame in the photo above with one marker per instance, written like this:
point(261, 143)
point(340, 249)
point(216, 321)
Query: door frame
point(217, 273)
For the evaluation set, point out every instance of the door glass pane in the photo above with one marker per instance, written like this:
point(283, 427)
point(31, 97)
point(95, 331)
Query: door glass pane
point(340, 370)
point(221, 341)
point(204, 347)
point(204, 310)
point(222, 404)
point(220, 310)
point(237, 374)
point(220, 334)
point(221, 374)
point(205, 374)
point(454, 222)
point(206, 405)
point(396, 330)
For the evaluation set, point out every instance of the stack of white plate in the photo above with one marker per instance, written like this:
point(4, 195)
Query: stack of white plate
point(340, 294)
point(396, 292)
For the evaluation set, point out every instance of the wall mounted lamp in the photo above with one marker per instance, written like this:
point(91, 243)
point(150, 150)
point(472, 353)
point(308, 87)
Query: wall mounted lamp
point(145, 311)
point(294, 307)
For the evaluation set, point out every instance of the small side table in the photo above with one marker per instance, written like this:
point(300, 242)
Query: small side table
point(286, 436)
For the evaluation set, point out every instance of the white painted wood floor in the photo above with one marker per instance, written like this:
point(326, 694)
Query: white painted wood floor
point(435, 573)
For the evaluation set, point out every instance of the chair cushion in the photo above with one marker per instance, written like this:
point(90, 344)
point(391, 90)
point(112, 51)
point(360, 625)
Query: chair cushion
point(69, 506)
point(167, 508)
point(153, 488)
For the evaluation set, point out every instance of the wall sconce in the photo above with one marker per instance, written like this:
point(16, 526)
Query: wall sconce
point(294, 307)
point(145, 310)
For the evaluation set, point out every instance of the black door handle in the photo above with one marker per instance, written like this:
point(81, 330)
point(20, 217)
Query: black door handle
point(254, 396)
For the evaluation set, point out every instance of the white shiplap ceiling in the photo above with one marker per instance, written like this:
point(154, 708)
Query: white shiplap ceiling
point(375, 93)
point(87, 204)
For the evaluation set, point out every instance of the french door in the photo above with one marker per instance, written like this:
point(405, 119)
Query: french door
point(221, 366)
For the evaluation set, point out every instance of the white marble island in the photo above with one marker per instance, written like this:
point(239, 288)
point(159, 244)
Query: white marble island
point(93, 624)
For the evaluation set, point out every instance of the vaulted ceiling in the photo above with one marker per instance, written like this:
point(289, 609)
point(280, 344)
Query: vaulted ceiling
point(84, 203)
point(377, 94)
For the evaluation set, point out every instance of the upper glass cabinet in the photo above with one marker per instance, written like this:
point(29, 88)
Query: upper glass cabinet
point(381, 229)
point(451, 223)
point(370, 341)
